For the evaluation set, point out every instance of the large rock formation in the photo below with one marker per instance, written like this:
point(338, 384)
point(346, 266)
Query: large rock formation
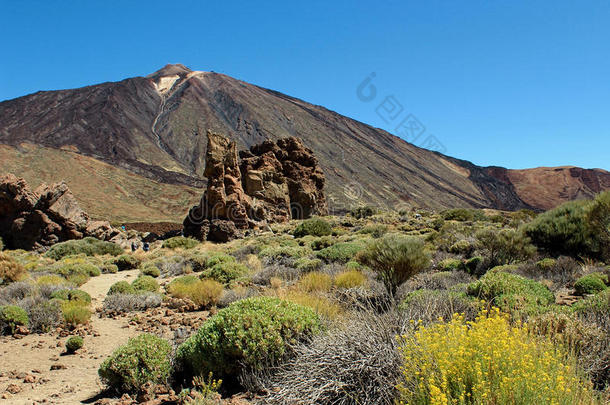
point(34, 220)
point(274, 182)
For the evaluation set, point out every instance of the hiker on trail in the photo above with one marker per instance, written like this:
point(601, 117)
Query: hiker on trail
point(146, 247)
point(134, 246)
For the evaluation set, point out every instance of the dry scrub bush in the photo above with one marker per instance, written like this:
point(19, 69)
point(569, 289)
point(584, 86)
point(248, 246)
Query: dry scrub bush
point(350, 279)
point(204, 293)
point(120, 303)
point(10, 270)
point(315, 281)
point(355, 364)
point(428, 306)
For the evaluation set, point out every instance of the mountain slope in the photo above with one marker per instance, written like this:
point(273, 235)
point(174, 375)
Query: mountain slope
point(155, 126)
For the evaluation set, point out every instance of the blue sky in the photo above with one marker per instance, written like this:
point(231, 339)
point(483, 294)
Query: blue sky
point(516, 84)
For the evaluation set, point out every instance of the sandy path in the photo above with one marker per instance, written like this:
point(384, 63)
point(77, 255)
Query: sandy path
point(79, 380)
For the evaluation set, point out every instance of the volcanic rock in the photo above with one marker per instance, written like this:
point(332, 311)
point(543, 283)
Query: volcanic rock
point(34, 220)
point(274, 182)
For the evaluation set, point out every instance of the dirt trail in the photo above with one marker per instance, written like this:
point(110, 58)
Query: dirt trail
point(79, 381)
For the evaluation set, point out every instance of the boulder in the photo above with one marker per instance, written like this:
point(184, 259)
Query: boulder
point(273, 182)
point(35, 220)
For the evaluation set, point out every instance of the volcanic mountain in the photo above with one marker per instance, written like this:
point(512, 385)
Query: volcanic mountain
point(135, 149)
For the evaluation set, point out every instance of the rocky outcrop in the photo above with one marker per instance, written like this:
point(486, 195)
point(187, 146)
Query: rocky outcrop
point(274, 182)
point(34, 220)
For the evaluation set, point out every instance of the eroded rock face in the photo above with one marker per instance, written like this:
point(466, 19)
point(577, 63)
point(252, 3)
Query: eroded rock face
point(34, 220)
point(274, 182)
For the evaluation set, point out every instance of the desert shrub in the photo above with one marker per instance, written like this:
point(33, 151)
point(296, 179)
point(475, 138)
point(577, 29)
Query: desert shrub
point(353, 265)
point(121, 287)
point(376, 230)
point(473, 265)
point(151, 270)
point(591, 284)
point(279, 271)
point(363, 212)
point(356, 364)
point(315, 281)
point(235, 294)
point(203, 293)
point(598, 222)
point(226, 272)
point(51, 279)
point(145, 283)
point(487, 361)
point(44, 315)
point(450, 264)
point(75, 313)
point(74, 343)
point(511, 291)
point(76, 273)
point(546, 264)
point(442, 280)
point(16, 291)
point(458, 214)
point(275, 253)
point(395, 258)
point(323, 242)
point(562, 230)
point(248, 333)
point(126, 262)
point(428, 306)
point(306, 264)
point(314, 227)
point(504, 246)
point(108, 268)
point(12, 316)
point(462, 247)
point(218, 258)
point(340, 252)
point(10, 270)
point(323, 307)
point(145, 358)
point(180, 242)
point(350, 279)
point(88, 246)
point(120, 302)
point(588, 342)
point(197, 261)
point(72, 295)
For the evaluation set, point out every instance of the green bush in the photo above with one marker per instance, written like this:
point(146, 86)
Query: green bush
point(458, 214)
point(74, 343)
point(565, 230)
point(450, 264)
point(314, 227)
point(505, 246)
point(395, 258)
point(151, 270)
point(306, 264)
point(72, 295)
point(127, 262)
point(121, 287)
point(143, 359)
point(109, 268)
point(598, 221)
point(462, 247)
point(323, 242)
point(546, 264)
point(251, 332)
point(277, 252)
point(145, 283)
point(76, 273)
point(88, 246)
point(376, 230)
point(471, 265)
point(218, 258)
point(341, 252)
point(226, 272)
point(591, 283)
point(363, 212)
point(510, 291)
point(180, 242)
point(12, 316)
point(75, 312)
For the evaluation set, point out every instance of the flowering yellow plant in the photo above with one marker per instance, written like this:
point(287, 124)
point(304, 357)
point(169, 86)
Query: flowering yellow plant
point(487, 361)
